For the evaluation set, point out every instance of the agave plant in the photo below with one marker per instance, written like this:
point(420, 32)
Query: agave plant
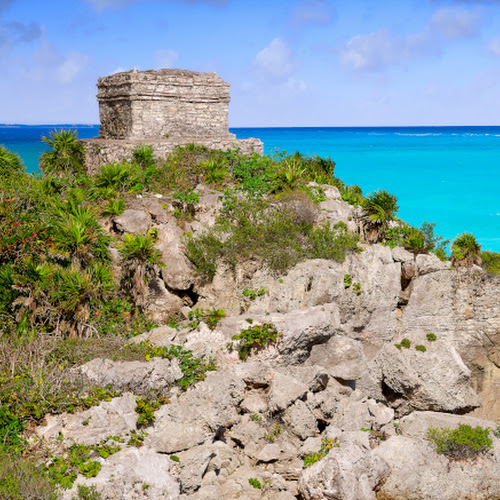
point(139, 258)
point(113, 175)
point(10, 163)
point(379, 208)
point(144, 156)
point(75, 291)
point(291, 174)
point(77, 236)
point(66, 155)
point(466, 250)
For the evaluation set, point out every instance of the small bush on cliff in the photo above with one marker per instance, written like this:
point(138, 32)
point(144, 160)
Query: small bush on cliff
point(379, 208)
point(10, 164)
point(463, 442)
point(269, 232)
point(465, 250)
point(254, 337)
point(139, 259)
point(491, 261)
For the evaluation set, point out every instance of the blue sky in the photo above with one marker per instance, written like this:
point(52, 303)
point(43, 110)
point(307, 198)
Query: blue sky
point(289, 62)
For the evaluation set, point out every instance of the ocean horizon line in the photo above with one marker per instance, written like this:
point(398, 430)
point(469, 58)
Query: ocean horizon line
point(8, 125)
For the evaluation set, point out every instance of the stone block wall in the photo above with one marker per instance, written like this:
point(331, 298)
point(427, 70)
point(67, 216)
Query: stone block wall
point(101, 151)
point(141, 105)
point(164, 109)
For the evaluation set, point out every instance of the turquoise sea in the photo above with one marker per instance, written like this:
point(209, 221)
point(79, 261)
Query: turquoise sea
point(447, 175)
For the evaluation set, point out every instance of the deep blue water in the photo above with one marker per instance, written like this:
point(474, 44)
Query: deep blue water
point(447, 175)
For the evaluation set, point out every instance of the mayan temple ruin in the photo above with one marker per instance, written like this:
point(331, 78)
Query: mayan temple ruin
point(164, 109)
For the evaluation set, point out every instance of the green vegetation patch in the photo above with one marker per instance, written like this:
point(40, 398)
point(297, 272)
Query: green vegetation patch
point(254, 337)
point(312, 458)
point(463, 442)
point(277, 234)
point(491, 261)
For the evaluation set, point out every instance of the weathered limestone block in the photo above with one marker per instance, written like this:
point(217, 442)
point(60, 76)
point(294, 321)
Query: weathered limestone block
point(419, 473)
point(124, 474)
point(140, 104)
point(163, 108)
point(89, 427)
point(349, 472)
point(133, 221)
point(436, 379)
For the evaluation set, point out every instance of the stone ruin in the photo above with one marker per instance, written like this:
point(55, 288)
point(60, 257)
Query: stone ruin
point(164, 109)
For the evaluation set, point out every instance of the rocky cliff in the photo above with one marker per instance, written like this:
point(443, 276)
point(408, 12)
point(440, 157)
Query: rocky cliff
point(369, 354)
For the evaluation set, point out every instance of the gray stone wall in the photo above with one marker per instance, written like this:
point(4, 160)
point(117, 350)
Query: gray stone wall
point(167, 101)
point(102, 151)
point(163, 108)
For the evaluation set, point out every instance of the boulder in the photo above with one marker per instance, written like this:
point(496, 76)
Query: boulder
point(342, 357)
point(178, 273)
point(133, 222)
point(419, 473)
point(198, 415)
point(125, 474)
point(110, 418)
point(300, 420)
point(417, 423)
point(436, 379)
point(349, 472)
point(162, 304)
point(156, 373)
point(430, 264)
point(284, 391)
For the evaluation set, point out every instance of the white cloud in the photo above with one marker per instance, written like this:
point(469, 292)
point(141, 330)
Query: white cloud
point(166, 58)
point(456, 23)
point(371, 52)
point(74, 63)
point(381, 49)
point(494, 46)
point(275, 62)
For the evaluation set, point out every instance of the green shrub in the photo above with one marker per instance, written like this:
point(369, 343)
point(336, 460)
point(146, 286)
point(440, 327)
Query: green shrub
point(421, 348)
point(357, 288)
point(347, 281)
point(21, 479)
point(88, 492)
point(253, 294)
point(146, 408)
point(463, 442)
point(273, 433)
point(114, 207)
point(405, 343)
point(269, 233)
point(380, 207)
point(254, 337)
point(193, 369)
point(144, 156)
point(352, 195)
point(255, 483)
point(491, 261)
point(465, 249)
point(10, 164)
point(210, 316)
point(431, 337)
